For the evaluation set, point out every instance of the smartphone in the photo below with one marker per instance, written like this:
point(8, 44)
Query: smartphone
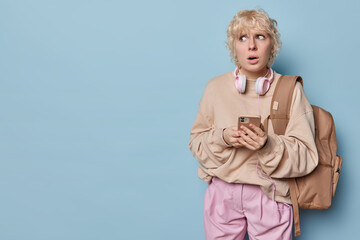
point(246, 120)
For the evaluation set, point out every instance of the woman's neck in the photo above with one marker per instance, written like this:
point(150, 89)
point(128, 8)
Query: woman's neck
point(255, 75)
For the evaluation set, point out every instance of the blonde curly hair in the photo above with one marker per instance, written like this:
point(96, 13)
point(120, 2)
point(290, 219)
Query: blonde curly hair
point(256, 20)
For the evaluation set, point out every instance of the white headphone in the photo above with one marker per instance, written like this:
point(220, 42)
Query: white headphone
point(262, 84)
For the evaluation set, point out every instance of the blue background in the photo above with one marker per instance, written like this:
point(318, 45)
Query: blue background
point(97, 99)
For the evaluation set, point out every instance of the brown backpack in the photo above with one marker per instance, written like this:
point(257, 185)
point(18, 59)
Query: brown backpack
point(315, 190)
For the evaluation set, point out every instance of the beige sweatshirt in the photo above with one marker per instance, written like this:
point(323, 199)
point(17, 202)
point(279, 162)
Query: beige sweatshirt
point(284, 156)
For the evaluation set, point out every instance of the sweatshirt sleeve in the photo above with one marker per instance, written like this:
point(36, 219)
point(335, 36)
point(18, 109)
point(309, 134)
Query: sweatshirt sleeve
point(206, 141)
point(293, 154)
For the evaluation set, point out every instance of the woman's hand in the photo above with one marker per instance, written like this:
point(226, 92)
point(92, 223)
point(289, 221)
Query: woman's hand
point(253, 140)
point(231, 136)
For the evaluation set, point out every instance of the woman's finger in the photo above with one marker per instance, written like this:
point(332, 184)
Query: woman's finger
point(246, 144)
point(232, 132)
point(249, 132)
point(258, 130)
point(248, 139)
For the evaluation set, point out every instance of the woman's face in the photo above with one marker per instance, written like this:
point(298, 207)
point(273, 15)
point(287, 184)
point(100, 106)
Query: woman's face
point(253, 51)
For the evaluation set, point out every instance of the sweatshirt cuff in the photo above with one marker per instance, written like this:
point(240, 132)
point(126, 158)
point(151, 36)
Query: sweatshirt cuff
point(270, 147)
point(219, 139)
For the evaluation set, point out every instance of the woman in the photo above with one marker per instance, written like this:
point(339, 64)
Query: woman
point(247, 168)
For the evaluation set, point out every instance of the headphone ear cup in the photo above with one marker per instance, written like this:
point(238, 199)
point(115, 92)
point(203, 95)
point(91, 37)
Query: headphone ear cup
point(241, 83)
point(258, 82)
point(262, 86)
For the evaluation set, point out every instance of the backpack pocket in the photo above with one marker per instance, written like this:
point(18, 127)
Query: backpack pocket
point(336, 173)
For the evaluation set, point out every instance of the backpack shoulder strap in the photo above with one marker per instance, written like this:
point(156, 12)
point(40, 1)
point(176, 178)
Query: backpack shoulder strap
point(280, 115)
point(281, 102)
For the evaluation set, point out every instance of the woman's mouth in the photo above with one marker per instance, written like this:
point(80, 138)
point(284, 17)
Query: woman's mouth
point(253, 59)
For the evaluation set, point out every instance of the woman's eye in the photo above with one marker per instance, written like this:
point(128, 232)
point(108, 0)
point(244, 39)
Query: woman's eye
point(260, 36)
point(242, 38)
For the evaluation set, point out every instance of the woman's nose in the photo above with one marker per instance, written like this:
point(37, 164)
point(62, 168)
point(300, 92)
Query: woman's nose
point(252, 44)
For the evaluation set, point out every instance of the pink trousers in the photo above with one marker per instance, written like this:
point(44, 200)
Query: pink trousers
point(231, 209)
